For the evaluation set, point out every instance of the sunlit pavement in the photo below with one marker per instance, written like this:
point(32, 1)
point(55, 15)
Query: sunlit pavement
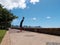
point(31, 38)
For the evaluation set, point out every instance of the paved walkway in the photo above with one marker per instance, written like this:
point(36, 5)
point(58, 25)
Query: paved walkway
point(6, 39)
point(16, 37)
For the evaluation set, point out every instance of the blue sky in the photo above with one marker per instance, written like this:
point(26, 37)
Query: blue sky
point(44, 13)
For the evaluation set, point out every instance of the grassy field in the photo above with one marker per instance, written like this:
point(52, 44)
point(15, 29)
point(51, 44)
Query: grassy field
point(2, 33)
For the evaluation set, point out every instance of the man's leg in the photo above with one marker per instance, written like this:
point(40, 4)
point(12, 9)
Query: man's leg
point(20, 29)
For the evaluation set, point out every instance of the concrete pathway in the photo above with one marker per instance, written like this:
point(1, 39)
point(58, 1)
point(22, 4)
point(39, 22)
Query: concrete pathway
point(6, 39)
point(30, 38)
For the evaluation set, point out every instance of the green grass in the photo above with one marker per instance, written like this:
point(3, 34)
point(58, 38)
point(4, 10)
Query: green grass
point(2, 33)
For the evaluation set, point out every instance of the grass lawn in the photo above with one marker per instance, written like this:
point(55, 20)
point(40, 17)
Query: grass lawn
point(2, 33)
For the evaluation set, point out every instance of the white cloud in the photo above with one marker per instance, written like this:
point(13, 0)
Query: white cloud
point(48, 17)
point(10, 4)
point(34, 18)
point(34, 1)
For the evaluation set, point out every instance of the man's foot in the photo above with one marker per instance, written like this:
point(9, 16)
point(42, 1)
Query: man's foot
point(20, 30)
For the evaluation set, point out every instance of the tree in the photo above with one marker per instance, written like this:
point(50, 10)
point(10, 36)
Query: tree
point(6, 17)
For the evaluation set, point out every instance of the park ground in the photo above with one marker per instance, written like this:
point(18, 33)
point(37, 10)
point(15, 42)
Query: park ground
point(15, 37)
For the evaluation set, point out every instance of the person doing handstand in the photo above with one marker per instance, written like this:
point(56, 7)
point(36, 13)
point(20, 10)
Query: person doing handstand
point(21, 24)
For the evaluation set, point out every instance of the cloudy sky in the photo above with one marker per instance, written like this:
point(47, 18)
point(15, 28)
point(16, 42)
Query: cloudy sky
point(44, 13)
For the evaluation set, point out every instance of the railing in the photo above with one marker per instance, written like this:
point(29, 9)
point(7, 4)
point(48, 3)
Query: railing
point(52, 31)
